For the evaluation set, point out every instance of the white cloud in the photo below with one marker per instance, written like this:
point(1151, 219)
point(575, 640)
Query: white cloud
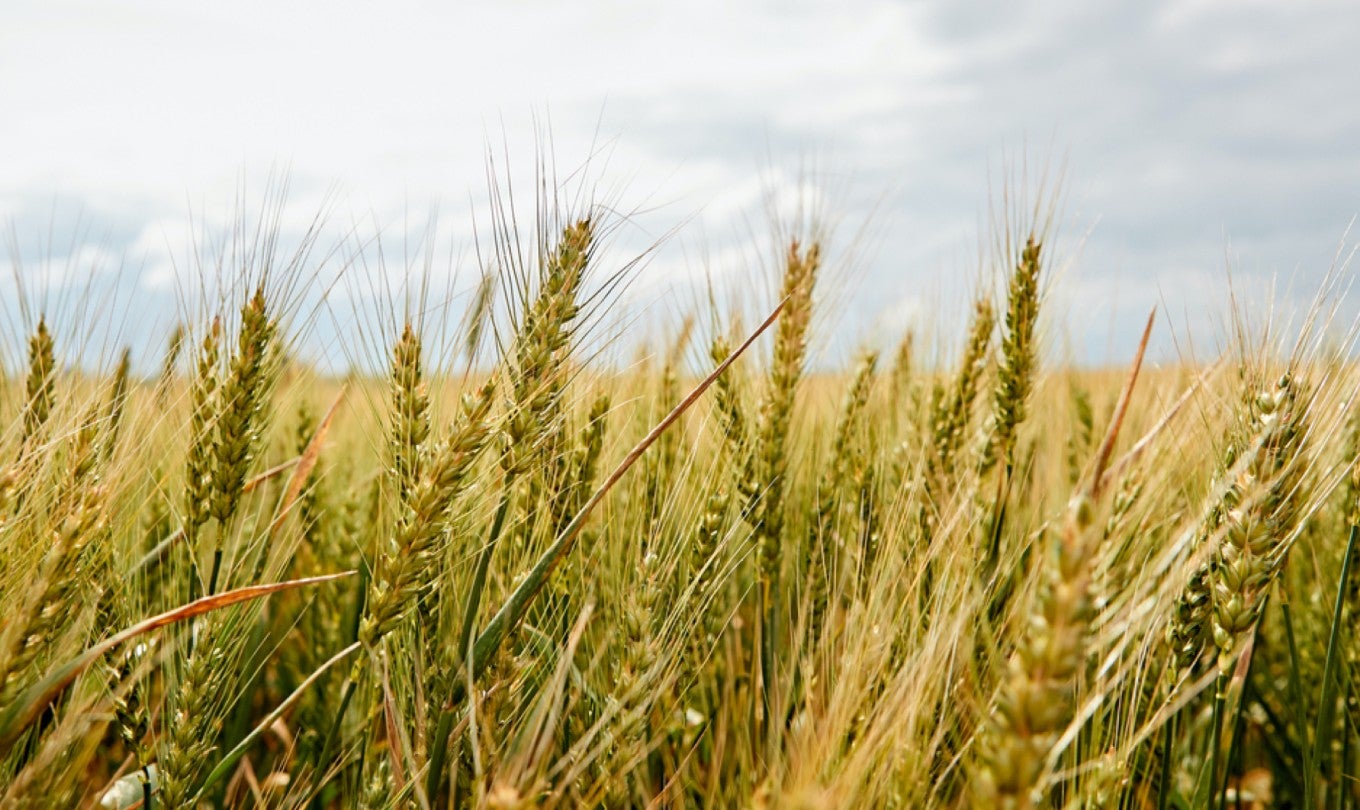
point(1186, 123)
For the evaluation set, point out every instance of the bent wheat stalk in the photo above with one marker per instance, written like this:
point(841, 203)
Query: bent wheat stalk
point(31, 703)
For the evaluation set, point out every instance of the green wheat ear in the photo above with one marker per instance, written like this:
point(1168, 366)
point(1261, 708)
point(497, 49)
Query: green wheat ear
point(62, 589)
point(829, 535)
point(1015, 377)
point(40, 385)
point(242, 398)
point(953, 409)
point(199, 465)
point(170, 362)
point(407, 561)
point(410, 412)
point(537, 367)
point(786, 369)
point(904, 360)
point(116, 405)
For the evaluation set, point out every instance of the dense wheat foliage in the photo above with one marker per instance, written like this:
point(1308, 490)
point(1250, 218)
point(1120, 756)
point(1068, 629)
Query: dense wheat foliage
point(517, 575)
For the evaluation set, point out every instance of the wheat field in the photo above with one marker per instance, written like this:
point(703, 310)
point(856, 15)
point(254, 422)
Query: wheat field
point(507, 573)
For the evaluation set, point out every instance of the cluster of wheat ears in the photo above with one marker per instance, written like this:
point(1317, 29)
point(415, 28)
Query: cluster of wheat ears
point(706, 578)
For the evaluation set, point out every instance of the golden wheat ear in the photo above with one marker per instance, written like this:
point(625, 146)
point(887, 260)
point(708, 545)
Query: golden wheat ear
point(1041, 689)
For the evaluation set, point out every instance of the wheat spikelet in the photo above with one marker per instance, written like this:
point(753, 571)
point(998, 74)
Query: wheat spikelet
point(1262, 517)
point(902, 367)
point(131, 717)
point(480, 315)
point(828, 545)
point(170, 361)
point(60, 592)
point(410, 412)
point(40, 385)
point(1015, 377)
point(952, 410)
point(542, 347)
point(242, 398)
point(193, 724)
point(660, 466)
point(1037, 697)
point(198, 467)
point(786, 368)
point(407, 560)
point(117, 403)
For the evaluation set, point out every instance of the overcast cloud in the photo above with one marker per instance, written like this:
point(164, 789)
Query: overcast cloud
point(1193, 135)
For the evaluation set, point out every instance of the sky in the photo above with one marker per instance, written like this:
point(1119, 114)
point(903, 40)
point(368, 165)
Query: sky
point(1204, 149)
